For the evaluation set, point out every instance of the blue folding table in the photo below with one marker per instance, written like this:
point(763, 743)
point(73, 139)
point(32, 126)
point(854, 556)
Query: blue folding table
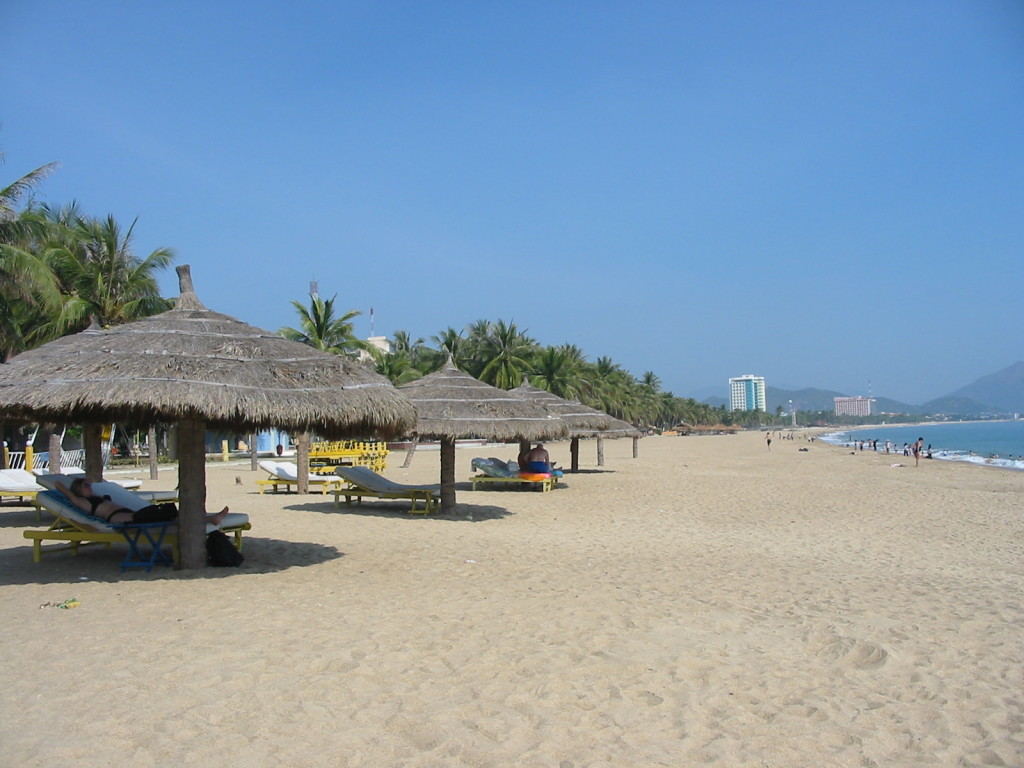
point(145, 533)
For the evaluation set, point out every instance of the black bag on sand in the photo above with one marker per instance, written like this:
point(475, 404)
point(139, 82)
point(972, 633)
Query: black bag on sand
point(220, 552)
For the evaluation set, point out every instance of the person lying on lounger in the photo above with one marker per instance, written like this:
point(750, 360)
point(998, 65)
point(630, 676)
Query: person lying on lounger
point(81, 495)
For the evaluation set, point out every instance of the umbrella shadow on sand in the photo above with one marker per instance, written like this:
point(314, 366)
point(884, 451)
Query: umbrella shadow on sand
point(101, 564)
point(20, 517)
point(464, 513)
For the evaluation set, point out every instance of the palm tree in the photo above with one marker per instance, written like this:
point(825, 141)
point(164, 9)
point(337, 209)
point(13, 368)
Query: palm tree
point(474, 354)
point(558, 370)
point(608, 387)
point(403, 342)
point(319, 328)
point(651, 381)
point(100, 275)
point(450, 341)
point(17, 190)
point(505, 355)
point(27, 285)
point(398, 368)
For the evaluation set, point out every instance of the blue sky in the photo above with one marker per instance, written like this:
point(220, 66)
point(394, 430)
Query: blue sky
point(822, 193)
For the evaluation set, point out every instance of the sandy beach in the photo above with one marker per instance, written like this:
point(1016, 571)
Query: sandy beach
point(708, 603)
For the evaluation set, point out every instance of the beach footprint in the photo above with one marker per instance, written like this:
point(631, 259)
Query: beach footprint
point(853, 652)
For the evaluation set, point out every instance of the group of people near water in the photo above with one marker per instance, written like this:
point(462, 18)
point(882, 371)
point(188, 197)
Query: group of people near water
point(915, 449)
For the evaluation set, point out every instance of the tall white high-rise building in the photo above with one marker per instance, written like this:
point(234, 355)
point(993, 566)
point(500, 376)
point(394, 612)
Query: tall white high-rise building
point(747, 393)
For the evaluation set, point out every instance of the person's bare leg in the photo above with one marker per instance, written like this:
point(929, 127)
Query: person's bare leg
point(218, 518)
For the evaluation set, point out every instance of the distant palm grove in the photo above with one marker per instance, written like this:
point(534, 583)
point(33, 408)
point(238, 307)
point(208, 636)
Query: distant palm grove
point(62, 269)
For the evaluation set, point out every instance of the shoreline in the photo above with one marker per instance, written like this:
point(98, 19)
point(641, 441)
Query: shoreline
point(946, 454)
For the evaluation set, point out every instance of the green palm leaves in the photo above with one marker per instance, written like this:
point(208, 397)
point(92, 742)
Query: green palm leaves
point(320, 328)
point(59, 269)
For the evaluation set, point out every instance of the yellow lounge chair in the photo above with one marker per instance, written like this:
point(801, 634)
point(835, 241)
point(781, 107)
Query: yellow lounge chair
point(20, 484)
point(76, 528)
point(286, 474)
point(363, 481)
point(498, 473)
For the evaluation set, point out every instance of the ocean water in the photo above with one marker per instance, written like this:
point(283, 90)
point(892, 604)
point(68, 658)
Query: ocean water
point(989, 443)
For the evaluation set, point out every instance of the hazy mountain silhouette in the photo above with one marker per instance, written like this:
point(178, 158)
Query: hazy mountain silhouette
point(1003, 389)
point(996, 393)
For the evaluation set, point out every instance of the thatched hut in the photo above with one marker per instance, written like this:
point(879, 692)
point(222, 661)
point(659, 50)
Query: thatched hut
point(581, 419)
point(200, 369)
point(615, 430)
point(451, 404)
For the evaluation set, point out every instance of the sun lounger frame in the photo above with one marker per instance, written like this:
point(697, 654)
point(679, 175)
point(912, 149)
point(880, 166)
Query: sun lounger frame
point(276, 482)
point(76, 533)
point(22, 496)
point(545, 485)
point(75, 537)
point(430, 499)
point(354, 489)
point(325, 485)
point(22, 486)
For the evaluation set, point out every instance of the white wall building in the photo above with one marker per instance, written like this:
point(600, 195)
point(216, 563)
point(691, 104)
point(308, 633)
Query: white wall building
point(853, 406)
point(747, 393)
point(380, 342)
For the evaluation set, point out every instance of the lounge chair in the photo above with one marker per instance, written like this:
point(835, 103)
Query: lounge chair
point(19, 483)
point(73, 472)
point(286, 474)
point(73, 526)
point(506, 474)
point(363, 481)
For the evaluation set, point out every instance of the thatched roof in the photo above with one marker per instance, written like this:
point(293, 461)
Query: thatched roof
point(193, 363)
point(617, 428)
point(450, 403)
point(580, 419)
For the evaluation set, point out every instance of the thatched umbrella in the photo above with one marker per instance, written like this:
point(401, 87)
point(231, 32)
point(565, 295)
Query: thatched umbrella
point(201, 369)
point(581, 419)
point(616, 429)
point(451, 404)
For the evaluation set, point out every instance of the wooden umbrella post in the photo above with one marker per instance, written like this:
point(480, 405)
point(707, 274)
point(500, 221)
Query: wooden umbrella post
point(54, 452)
point(92, 441)
point(192, 493)
point(447, 475)
point(302, 441)
point(154, 454)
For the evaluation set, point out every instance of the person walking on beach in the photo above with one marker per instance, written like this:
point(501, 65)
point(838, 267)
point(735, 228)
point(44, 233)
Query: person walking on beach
point(768, 440)
point(918, 447)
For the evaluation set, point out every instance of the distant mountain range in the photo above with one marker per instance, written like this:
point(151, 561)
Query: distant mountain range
point(997, 393)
